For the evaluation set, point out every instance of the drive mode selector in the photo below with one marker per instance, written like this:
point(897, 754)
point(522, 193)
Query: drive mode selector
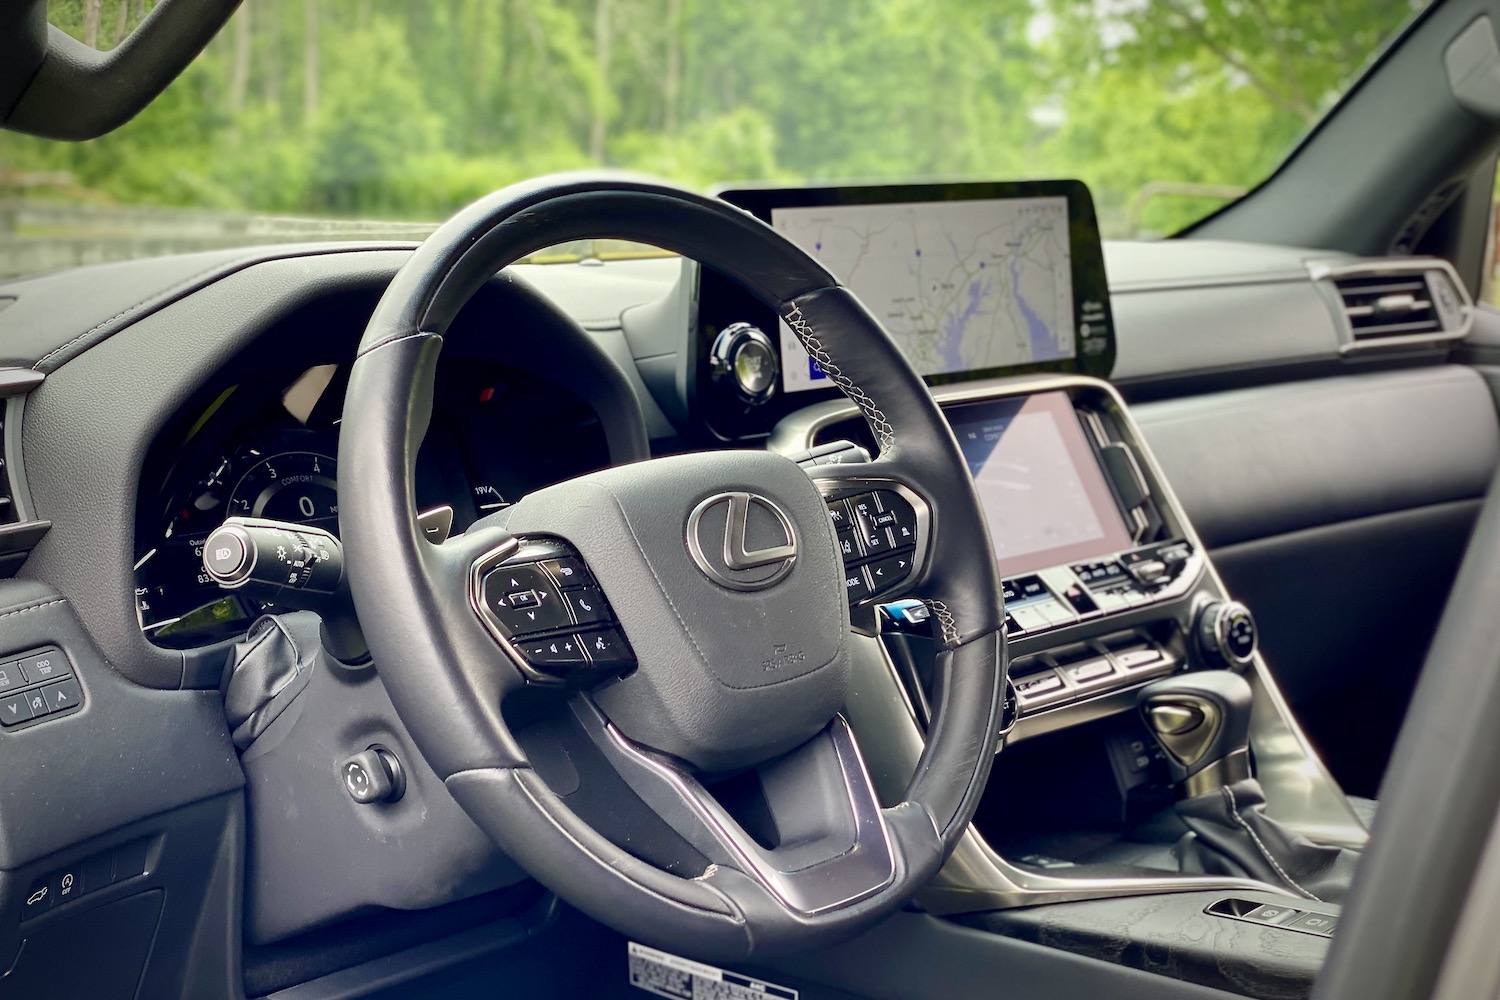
point(1227, 633)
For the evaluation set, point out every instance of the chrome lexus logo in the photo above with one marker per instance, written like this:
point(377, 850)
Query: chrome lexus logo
point(742, 541)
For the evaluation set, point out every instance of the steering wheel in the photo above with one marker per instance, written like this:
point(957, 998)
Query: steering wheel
point(721, 571)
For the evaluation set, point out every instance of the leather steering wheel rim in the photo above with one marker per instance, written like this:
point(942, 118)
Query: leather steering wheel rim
point(447, 678)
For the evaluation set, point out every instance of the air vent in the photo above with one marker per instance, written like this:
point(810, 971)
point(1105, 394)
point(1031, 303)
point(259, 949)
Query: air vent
point(1388, 305)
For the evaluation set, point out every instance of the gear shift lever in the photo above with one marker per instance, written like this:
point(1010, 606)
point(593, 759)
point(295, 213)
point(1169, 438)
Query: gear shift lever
point(1202, 721)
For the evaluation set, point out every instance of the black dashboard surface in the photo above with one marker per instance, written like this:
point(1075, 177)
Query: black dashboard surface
point(113, 444)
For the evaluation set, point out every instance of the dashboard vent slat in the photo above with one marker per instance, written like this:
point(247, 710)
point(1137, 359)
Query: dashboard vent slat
point(1384, 304)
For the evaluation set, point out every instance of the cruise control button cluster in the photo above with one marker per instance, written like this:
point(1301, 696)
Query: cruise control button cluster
point(876, 534)
point(548, 604)
point(37, 686)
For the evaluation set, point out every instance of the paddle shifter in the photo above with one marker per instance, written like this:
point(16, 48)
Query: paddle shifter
point(1202, 721)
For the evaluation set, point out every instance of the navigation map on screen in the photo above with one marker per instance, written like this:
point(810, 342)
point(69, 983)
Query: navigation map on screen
point(960, 285)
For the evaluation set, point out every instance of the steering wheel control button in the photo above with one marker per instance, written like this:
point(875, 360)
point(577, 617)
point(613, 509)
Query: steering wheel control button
point(838, 516)
point(887, 573)
point(561, 654)
point(567, 572)
point(48, 665)
point(11, 676)
point(856, 586)
point(62, 695)
point(608, 649)
point(524, 600)
point(898, 516)
point(14, 709)
point(848, 545)
point(373, 775)
point(587, 605)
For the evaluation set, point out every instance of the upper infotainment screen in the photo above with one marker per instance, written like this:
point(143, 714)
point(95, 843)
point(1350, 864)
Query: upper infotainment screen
point(1044, 496)
point(973, 280)
point(961, 286)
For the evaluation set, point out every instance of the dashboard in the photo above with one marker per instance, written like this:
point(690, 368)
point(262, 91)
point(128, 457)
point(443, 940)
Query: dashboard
point(155, 398)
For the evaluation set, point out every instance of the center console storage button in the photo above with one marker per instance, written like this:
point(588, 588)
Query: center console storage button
point(1139, 658)
point(1273, 913)
point(1037, 685)
point(1028, 617)
point(1054, 611)
point(1317, 923)
point(1090, 670)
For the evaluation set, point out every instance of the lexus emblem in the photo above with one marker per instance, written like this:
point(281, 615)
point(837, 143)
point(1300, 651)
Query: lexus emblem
point(742, 541)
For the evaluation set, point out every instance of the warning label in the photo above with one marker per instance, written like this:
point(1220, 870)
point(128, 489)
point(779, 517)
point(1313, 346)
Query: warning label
point(683, 979)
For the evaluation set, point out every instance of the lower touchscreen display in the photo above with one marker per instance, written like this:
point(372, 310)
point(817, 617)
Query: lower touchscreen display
point(1043, 493)
point(961, 286)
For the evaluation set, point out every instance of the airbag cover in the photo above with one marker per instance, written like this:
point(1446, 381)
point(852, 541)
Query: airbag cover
point(728, 677)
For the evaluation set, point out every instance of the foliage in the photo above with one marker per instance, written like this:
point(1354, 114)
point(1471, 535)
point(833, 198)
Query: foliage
point(408, 108)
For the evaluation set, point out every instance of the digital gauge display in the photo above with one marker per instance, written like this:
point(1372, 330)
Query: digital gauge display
point(296, 486)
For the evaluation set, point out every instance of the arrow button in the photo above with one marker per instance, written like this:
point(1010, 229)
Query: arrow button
point(14, 710)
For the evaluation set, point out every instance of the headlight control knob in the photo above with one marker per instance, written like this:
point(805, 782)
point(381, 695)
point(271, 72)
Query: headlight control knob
point(1226, 633)
point(744, 360)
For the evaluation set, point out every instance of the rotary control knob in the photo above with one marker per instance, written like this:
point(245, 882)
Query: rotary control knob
point(744, 359)
point(1227, 633)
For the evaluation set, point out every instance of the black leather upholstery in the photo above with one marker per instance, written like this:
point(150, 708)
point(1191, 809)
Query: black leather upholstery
point(1232, 835)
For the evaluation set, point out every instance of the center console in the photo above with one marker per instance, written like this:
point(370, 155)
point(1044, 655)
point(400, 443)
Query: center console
point(1126, 651)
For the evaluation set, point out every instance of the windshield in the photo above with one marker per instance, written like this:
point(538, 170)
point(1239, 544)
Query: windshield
point(319, 119)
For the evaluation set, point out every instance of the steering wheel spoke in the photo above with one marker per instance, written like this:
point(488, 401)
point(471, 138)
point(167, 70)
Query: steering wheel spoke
point(820, 839)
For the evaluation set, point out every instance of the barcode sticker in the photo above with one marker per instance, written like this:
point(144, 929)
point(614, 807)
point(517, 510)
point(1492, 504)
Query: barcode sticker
point(683, 979)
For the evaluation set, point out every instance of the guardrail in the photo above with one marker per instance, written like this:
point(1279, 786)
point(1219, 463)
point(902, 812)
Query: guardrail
point(38, 236)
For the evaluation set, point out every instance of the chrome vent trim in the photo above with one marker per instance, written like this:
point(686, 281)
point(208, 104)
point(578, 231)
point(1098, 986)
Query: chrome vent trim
point(1395, 303)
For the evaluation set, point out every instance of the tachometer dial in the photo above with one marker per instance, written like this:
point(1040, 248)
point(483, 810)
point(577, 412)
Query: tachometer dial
point(296, 486)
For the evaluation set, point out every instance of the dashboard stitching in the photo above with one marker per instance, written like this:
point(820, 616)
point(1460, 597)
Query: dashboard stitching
point(33, 607)
point(198, 280)
point(804, 331)
point(1234, 811)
